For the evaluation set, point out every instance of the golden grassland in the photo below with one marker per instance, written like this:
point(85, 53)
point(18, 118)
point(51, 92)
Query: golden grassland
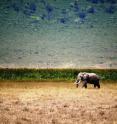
point(57, 103)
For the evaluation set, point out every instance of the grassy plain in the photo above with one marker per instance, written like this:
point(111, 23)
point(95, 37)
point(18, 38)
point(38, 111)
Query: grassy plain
point(57, 103)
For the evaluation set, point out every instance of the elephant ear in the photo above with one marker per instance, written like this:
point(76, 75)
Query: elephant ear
point(82, 78)
point(86, 77)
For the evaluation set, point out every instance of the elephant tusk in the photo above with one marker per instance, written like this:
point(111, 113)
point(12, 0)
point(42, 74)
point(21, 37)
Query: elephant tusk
point(75, 83)
point(79, 82)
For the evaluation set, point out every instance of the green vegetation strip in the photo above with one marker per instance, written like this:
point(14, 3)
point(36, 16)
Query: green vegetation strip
point(53, 74)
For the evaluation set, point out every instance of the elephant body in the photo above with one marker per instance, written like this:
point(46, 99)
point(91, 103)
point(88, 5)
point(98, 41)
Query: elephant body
point(85, 78)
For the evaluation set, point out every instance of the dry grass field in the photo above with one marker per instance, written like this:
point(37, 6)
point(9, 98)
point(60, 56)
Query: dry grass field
point(57, 103)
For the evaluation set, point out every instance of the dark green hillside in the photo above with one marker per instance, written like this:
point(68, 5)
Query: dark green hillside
point(53, 74)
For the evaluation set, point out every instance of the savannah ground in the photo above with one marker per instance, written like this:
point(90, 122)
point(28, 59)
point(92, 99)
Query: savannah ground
point(57, 103)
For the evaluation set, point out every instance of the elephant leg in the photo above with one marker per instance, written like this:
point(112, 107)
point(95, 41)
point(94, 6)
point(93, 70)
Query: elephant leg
point(84, 84)
point(95, 85)
point(77, 85)
point(98, 85)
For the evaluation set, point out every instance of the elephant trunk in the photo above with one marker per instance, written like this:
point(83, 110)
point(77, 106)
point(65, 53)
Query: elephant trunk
point(77, 85)
point(77, 82)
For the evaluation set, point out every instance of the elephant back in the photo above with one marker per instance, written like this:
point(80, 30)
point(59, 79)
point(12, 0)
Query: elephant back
point(93, 77)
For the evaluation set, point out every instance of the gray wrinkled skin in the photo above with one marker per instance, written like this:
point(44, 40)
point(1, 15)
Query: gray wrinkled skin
point(84, 78)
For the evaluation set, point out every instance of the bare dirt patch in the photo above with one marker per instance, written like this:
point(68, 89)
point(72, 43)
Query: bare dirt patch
point(57, 103)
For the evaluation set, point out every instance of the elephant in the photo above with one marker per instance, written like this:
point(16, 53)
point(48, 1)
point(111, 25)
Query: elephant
point(85, 78)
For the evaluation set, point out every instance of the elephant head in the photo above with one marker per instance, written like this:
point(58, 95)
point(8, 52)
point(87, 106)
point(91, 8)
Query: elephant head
point(82, 77)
